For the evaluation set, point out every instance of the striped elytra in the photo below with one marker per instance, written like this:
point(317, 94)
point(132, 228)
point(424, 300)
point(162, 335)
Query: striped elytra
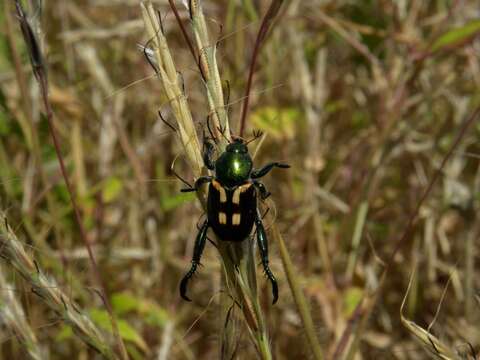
point(231, 211)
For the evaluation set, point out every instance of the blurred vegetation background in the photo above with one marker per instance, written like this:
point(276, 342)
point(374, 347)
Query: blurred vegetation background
point(362, 98)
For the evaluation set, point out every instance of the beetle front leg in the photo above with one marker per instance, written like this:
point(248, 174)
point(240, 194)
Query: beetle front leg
point(263, 248)
point(198, 183)
point(197, 254)
point(208, 161)
point(264, 193)
point(267, 168)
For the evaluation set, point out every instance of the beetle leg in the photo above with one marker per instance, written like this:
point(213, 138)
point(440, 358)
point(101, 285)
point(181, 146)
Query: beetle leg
point(266, 169)
point(264, 193)
point(198, 183)
point(263, 248)
point(209, 149)
point(197, 254)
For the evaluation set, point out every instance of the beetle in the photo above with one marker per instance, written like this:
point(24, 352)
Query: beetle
point(232, 209)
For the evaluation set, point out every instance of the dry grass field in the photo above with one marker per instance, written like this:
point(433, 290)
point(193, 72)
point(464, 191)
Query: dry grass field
point(373, 103)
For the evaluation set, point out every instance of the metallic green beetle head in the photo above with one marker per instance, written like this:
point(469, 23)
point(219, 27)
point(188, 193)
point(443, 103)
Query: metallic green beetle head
point(233, 167)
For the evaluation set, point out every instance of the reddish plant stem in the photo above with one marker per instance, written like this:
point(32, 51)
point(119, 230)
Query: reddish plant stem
point(78, 219)
point(41, 76)
point(187, 38)
point(262, 33)
point(413, 217)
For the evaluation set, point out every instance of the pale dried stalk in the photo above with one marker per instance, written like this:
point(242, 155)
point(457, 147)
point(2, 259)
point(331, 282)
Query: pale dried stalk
point(238, 259)
point(47, 289)
point(171, 82)
point(298, 296)
point(240, 280)
point(436, 348)
point(209, 67)
point(13, 317)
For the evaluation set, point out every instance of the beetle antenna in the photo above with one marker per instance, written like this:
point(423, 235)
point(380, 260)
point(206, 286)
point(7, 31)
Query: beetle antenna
point(214, 138)
point(256, 135)
point(160, 21)
point(262, 33)
point(166, 122)
point(227, 93)
point(146, 51)
point(222, 132)
point(189, 42)
point(472, 351)
point(172, 169)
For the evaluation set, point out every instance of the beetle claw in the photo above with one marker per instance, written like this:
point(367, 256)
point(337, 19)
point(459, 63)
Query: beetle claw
point(183, 288)
point(188, 190)
point(273, 281)
point(274, 290)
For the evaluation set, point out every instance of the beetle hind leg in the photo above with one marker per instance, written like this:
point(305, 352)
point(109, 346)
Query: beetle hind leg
point(263, 249)
point(197, 254)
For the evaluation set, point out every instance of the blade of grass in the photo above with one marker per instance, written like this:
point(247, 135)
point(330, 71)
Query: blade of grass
point(357, 236)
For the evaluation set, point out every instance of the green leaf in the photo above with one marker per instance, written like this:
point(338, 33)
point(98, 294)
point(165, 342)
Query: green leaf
point(172, 201)
point(4, 52)
point(128, 333)
point(457, 35)
point(112, 188)
point(154, 314)
point(352, 298)
point(123, 303)
point(65, 333)
point(279, 123)
point(4, 115)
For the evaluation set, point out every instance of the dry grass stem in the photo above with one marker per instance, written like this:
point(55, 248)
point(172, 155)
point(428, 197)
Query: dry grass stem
point(436, 348)
point(297, 293)
point(373, 104)
point(171, 82)
point(13, 318)
point(207, 50)
point(237, 259)
point(47, 289)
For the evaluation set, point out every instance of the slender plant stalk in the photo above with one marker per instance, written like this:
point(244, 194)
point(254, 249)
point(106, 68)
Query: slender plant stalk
point(232, 256)
point(40, 73)
point(172, 86)
point(240, 274)
point(272, 11)
point(237, 258)
point(298, 296)
point(207, 60)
